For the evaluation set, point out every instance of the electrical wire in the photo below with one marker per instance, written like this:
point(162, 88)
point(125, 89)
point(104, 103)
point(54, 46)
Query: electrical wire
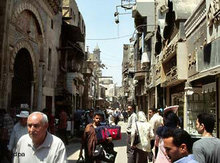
point(113, 38)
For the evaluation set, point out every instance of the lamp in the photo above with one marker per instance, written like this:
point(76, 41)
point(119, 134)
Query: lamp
point(145, 60)
point(189, 91)
point(116, 20)
point(116, 14)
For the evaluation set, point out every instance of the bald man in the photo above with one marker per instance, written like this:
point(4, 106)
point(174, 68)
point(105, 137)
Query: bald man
point(39, 145)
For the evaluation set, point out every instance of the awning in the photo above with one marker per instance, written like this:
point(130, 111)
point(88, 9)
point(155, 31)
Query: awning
point(72, 33)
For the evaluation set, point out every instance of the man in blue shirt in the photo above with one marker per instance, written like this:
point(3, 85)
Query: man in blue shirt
point(178, 145)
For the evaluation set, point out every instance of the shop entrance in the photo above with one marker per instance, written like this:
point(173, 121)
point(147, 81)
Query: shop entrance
point(22, 80)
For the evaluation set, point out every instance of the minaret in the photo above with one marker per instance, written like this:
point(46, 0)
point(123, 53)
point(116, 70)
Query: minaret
point(96, 53)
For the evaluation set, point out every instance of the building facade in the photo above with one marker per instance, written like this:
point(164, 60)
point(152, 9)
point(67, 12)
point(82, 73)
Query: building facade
point(70, 83)
point(180, 40)
point(42, 50)
point(29, 37)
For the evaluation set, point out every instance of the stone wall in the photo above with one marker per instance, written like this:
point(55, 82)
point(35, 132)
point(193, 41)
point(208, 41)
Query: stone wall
point(34, 26)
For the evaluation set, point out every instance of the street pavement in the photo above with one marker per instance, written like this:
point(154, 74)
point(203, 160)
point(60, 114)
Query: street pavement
point(120, 146)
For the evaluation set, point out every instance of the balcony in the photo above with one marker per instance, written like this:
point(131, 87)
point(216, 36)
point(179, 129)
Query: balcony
point(172, 74)
point(88, 67)
point(169, 52)
point(139, 73)
point(174, 68)
point(72, 33)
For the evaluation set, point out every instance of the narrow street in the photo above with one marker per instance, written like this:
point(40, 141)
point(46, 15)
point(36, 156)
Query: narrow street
point(120, 147)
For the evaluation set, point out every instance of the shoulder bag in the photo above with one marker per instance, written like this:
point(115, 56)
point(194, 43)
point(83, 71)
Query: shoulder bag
point(137, 137)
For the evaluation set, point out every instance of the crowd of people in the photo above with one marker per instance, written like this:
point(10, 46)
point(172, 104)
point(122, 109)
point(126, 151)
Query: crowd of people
point(162, 140)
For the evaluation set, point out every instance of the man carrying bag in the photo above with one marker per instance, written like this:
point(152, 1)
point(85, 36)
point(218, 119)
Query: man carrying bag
point(92, 148)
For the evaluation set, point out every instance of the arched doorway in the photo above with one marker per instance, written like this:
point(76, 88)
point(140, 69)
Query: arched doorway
point(22, 80)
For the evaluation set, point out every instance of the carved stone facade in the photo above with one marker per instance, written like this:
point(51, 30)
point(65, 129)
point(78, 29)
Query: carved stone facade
point(30, 37)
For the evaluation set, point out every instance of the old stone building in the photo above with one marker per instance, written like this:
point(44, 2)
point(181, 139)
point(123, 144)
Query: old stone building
point(92, 73)
point(29, 38)
point(41, 54)
point(180, 40)
point(70, 82)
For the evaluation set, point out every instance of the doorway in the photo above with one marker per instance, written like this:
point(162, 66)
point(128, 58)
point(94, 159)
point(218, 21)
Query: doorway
point(22, 80)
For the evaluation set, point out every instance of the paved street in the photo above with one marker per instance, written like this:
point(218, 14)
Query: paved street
point(120, 147)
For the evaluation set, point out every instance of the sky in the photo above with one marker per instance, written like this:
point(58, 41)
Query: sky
point(100, 23)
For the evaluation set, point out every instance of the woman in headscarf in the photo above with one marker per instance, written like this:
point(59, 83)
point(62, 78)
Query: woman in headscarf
point(145, 132)
point(171, 121)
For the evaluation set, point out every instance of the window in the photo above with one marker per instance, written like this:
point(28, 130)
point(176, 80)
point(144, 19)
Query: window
point(49, 60)
point(51, 23)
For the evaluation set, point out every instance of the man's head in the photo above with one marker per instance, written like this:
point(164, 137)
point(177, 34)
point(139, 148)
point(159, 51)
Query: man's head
point(37, 127)
point(91, 112)
point(151, 112)
point(178, 144)
point(205, 123)
point(97, 118)
point(130, 109)
point(23, 117)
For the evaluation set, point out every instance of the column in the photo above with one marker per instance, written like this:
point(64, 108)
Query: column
point(40, 85)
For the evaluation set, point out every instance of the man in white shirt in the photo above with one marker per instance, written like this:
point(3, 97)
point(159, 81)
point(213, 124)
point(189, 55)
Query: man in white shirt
point(156, 121)
point(131, 153)
point(39, 145)
point(19, 130)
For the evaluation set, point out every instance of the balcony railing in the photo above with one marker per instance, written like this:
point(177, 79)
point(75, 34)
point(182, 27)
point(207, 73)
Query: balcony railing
point(169, 52)
point(139, 73)
point(172, 74)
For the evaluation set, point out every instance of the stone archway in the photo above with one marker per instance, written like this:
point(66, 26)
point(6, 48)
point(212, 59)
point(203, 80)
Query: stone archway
point(22, 80)
point(28, 51)
point(26, 6)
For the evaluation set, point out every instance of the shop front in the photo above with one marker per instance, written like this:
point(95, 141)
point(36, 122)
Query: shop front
point(202, 99)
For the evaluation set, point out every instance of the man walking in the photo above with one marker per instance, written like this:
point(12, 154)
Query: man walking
point(155, 120)
point(19, 130)
point(131, 152)
point(62, 126)
point(178, 145)
point(89, 139)
point(39, 145)
point(207, 149)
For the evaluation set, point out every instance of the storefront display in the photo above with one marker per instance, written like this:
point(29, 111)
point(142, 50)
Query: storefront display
point(200, 102)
